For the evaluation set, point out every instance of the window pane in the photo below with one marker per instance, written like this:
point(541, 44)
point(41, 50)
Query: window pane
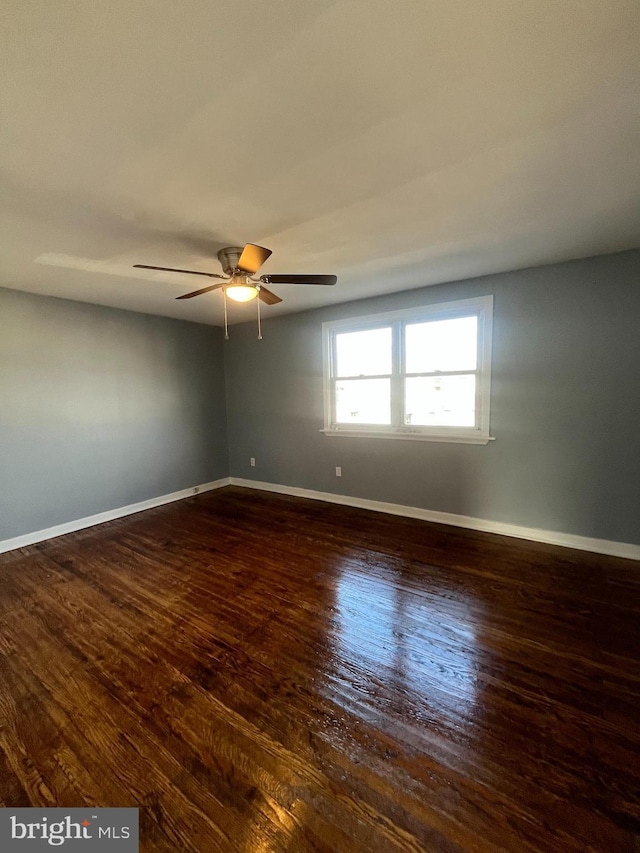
point(364, 353)
point(442, 345)
point(440, 401)
point(363, 401)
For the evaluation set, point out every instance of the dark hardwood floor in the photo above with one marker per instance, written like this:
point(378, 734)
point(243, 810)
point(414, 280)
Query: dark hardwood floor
point(263, 673)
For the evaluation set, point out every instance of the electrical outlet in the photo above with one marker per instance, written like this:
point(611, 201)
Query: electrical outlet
point(252, 462)
point(338, 471)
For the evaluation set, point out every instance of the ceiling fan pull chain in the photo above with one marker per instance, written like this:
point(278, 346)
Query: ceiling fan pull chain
point(226, 325)
point(259, 326)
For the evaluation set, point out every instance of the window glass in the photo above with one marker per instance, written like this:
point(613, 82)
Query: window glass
point(364, 353)
point(440, 401)
point(363, 401)
point(446, 345)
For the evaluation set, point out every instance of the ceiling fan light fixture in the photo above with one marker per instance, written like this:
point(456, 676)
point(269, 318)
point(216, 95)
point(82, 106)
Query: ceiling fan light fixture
point(241, 292)
point(239, 265)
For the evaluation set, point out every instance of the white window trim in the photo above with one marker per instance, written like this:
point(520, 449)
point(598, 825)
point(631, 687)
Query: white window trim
point(481, 307)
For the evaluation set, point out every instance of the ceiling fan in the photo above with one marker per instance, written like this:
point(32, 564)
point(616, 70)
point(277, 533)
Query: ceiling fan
point(240, 265)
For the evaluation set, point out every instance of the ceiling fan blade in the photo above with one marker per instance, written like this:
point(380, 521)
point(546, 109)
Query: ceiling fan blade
point(299, 279)
point(172, 269)
point(252, 258)
point(268, 297)
point(198, 292)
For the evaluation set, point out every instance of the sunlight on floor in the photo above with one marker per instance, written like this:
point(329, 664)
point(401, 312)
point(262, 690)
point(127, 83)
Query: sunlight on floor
point(391, 641)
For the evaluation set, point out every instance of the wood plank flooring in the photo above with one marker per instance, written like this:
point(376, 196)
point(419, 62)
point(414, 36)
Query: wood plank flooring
point(264, 673)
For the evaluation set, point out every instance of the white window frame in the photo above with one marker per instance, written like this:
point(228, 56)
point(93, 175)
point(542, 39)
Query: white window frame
point(480, 307)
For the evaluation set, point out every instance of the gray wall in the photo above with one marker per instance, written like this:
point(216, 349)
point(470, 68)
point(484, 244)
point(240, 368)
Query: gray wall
point(100, 408)
point(565, 406)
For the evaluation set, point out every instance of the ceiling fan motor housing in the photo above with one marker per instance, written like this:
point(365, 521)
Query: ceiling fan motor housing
point(229, 258)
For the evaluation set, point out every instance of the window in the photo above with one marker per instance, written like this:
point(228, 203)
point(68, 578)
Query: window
point(421, 373)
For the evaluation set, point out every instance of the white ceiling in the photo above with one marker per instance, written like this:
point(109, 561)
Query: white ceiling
point(395, 144)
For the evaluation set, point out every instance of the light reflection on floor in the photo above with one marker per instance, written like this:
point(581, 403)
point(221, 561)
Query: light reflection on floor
point(397, 647)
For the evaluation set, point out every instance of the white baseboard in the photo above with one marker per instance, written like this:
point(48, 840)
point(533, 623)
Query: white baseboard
point(552, 537)
point(110, 515)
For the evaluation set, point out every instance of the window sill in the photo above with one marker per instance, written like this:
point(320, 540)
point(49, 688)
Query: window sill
point(408, 436)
